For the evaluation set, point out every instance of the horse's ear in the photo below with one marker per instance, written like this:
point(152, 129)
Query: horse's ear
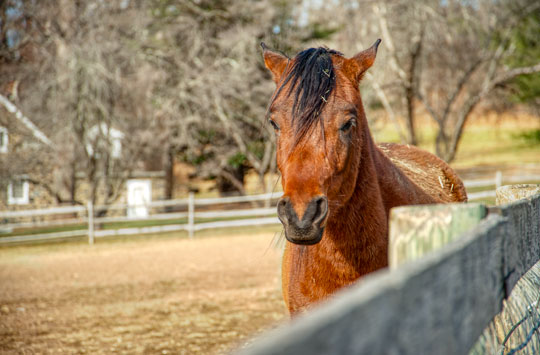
point(362, 61)
point(275, 62)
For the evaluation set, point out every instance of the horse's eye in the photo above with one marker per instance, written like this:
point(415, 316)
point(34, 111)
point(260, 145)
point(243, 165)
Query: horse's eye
point(347, 125)
point(274, 124)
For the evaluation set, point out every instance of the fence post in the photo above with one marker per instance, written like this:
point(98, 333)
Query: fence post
point(498, 179)
point(191, 214)
point(512, 193)
point(417, 230)
point(90, 223)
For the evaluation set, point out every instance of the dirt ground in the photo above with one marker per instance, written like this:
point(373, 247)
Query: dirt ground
point(161, 295)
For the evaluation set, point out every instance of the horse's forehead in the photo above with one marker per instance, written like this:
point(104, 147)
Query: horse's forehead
point(336, 108)
point(342, 95)
point(344, 91)
point(342, 99)
point(337, 61)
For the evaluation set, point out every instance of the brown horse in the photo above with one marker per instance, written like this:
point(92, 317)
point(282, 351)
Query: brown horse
point(339, 186)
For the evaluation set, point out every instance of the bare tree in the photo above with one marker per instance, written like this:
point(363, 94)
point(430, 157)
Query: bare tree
point(75, 85)
point(471, 66)
point(212, 100)
point(449, 56)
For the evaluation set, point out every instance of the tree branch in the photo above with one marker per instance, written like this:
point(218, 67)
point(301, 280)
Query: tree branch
point(50, 190)
point(460, 85)
point(236, 183)
point(386, 104)
point(512, 73)
point(470, 104)
point(236, 136)
point(428, 107)
point(389, 43)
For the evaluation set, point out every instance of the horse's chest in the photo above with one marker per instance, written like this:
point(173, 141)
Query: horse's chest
point(309, 277)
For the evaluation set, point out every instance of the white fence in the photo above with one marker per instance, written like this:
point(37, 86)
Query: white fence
point(198, 214)
point(85, 219)
point(496, 181)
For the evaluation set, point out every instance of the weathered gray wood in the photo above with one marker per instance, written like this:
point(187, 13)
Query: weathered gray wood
point(522, 252)
point(417, 230)
point(437, 305)
point(521, 311)
point(522, 246)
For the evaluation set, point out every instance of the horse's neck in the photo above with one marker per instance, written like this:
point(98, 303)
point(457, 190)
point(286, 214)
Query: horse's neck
point(355, 240)
point(359, 230)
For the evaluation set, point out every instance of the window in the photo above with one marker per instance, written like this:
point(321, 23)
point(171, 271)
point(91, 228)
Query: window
point(18, 193)
point(105, 139)
point(3, 140)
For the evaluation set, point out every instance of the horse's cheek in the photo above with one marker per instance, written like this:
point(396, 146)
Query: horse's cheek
point(344, 181)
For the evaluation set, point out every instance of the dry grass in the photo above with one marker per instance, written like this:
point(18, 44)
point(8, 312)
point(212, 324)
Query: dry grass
point(146, 296)
point(488, 139)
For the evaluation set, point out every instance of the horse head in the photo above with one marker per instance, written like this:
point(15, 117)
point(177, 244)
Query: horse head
point(319, 122)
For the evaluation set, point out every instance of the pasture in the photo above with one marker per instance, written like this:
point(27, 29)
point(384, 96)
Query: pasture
point(148, 295)
point(490, 139)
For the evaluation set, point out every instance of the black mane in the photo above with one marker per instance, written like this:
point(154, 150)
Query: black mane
point(312, 80)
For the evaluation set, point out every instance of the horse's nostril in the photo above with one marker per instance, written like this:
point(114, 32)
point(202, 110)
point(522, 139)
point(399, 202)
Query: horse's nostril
point(321, 205)
point(313, 216)
point(282, 210)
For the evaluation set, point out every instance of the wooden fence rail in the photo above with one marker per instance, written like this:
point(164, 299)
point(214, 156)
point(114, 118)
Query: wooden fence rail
point(438, 304)
point(85, 216)
point(43, 218)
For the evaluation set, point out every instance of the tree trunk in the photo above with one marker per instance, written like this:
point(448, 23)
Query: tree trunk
point(230, 181)
point(169, 173)
point(441, 144)
point(411, 88)
point(73, 183)
point(409, 95)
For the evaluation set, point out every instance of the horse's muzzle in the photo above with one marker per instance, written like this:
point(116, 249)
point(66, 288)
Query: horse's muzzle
point(309, 230)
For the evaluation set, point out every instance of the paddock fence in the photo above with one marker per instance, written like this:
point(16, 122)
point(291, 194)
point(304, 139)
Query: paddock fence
point(489, 186)
point(445, 285)
point(190, 215)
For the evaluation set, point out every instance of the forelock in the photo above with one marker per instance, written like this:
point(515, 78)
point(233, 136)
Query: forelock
point(311, 80)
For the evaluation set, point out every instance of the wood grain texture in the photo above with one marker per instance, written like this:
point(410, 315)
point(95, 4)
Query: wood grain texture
point(521, 312)
point(417, 230)
point(500, 334)
point(522, 245)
